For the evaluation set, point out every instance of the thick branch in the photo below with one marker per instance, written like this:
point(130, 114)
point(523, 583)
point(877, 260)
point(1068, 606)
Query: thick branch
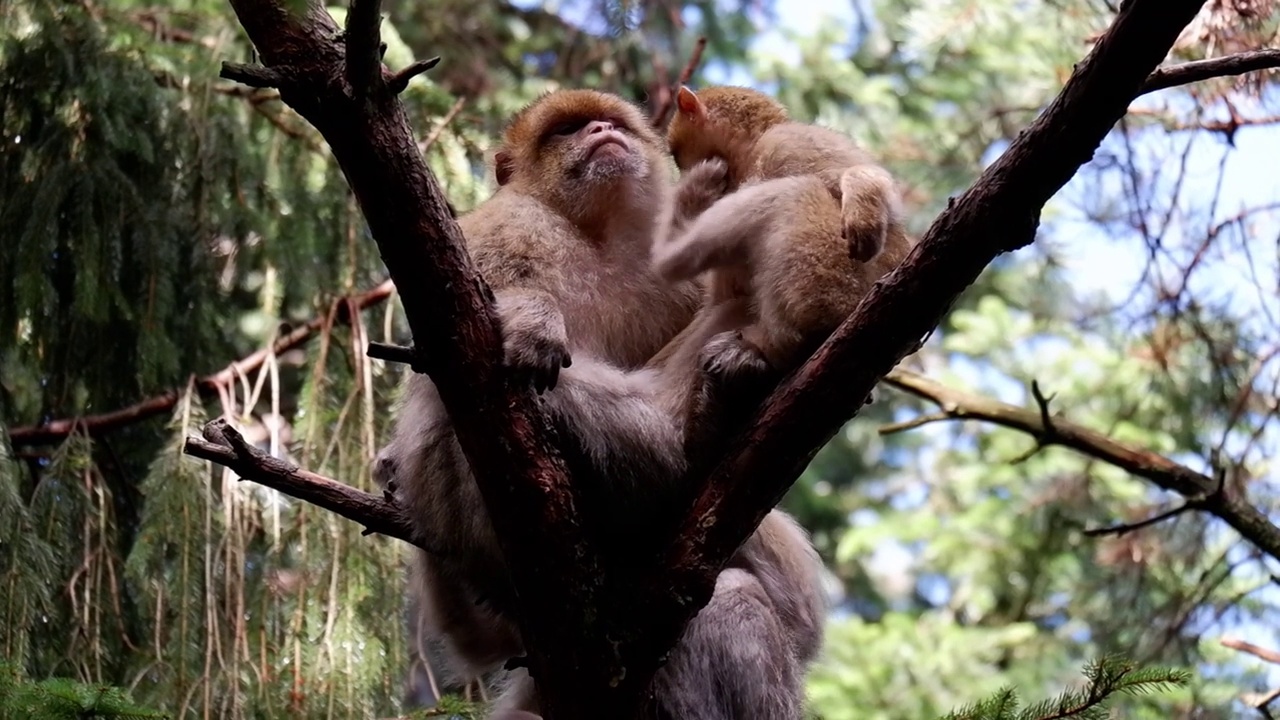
point(1202, 492)
point(506, 439)
point(225, 446)
point(1238, 64)
point(999, 213)
point(363, 53)
point(55, 430)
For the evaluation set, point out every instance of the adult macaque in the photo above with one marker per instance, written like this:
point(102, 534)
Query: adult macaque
point(565, 245)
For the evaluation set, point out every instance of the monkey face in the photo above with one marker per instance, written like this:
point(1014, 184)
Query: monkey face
point(578, 139)
point(600, 151)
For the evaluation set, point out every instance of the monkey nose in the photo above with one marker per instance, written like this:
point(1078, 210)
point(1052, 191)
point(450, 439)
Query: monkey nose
point(598, 126)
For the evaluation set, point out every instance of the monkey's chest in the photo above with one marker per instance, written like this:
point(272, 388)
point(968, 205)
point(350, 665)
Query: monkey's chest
point(625, 318)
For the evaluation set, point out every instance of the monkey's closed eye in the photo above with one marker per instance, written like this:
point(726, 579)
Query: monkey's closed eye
point(569, 128)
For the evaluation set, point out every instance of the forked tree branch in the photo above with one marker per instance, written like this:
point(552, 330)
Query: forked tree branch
point(336, 82)
point(999, 213)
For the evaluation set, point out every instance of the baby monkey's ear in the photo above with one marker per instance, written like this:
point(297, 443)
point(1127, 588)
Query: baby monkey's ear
point(688, 103)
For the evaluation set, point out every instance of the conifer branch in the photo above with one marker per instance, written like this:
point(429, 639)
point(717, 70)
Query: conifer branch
point(55, 430)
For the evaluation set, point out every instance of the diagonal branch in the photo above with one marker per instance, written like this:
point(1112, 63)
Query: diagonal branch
point(223, 445)
point(999, 213)
point(1201, 491)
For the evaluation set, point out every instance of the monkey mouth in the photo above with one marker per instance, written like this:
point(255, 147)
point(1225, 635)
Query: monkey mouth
point(610, 143)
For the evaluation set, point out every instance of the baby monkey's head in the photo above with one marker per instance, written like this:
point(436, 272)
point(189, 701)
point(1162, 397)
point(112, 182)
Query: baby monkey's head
point(722, 122)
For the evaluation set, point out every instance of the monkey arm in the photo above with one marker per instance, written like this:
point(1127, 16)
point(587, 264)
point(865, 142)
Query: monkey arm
point(534, 342)
point(698, 189)
point(726, 233)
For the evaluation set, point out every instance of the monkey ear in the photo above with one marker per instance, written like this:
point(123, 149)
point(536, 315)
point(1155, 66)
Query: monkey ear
point(503, 166)
point(688, 103)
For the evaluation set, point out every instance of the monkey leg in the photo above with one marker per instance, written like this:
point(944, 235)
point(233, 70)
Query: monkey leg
point(868, 206)
point(734, 660)
point(518, 699)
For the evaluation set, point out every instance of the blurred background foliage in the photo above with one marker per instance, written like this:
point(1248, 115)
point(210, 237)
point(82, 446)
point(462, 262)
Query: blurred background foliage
point(158, 223)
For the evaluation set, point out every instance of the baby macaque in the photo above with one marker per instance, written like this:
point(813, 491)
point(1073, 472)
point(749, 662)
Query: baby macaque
point(809, 224)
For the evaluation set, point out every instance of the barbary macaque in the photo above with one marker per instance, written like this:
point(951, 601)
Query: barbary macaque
point(809, 224)
point(565, 245)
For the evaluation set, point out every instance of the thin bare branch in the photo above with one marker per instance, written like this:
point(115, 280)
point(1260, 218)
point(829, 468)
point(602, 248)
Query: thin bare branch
point(1201, 491)
point(1184, 73)
point(224, 446)
point(659, 117)
point(1257, 651)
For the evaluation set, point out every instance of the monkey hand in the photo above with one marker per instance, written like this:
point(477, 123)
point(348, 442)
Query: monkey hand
point(534, 343)
point(867, 208)
point(737, 370)
point(701, 186)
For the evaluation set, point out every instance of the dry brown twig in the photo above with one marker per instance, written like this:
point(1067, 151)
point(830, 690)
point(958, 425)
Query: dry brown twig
point(1257, 651)
point(659, 117)
point(55, 430)
point(1201, 491)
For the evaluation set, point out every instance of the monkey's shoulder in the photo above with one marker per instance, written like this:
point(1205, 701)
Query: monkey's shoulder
point(794, 148)
point(516, 239)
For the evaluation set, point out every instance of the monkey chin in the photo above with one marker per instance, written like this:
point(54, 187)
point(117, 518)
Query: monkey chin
point(612, 162)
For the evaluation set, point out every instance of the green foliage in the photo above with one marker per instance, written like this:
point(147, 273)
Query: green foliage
point(63, 699)
point(1106, 677)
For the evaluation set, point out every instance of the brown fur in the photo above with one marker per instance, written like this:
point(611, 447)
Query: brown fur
point(809, 225)
point(564, 243)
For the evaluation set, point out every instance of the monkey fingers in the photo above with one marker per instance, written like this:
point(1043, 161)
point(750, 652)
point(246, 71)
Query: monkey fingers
point(735, 368)
point(701, 186)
